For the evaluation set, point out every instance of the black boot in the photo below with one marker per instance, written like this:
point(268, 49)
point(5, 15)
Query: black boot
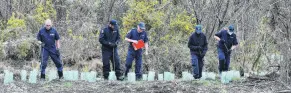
point(120, 78)
point(42, 76)
point(221, 65)
point(105, 75)
point(196, 76)
point(60, 73)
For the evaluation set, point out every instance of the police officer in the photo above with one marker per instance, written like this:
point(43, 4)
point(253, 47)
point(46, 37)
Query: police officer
point(50, 40)
point(227, 41)
point(198, 48)
point(109, 38)
point(132, 37)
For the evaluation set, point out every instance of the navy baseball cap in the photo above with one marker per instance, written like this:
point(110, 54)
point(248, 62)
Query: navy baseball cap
point(141, 25)
point(231, 28)
point(198, 28)
point(113, 22)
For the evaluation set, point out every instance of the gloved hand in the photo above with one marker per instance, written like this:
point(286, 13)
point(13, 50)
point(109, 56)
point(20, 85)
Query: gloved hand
point(42, 44)
point(229, 51)
point(202, 55)
point(200, 48)
point(112, 44)
point(195, 47)
point(222, 41)
point(58, 51)
point(116, 43)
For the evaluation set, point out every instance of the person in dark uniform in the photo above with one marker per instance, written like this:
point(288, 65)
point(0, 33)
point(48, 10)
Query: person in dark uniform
point(132, 37)
point(227, 41)
point(109, 38)
point(198, 48)
point(50, 40)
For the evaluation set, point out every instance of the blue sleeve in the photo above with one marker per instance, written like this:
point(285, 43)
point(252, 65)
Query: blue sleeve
point(146, 39)
point(128, 35)
point(38, 37)
point(205, 46)
point(190, 42)
point(235, 42)
point(219, 34)
point(118, 37)
point(57, 37)
point(102, 38)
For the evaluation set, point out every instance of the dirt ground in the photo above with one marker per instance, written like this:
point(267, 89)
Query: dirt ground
point(246, 85)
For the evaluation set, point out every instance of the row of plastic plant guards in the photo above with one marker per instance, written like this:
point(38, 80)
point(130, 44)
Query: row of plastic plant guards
point(73, 75)
point(187, 76)
point(52, 74)
point(225, 77)
point(228, 76)
point(8, 76)
point(166, 76)
point(208, 76)
point(131, 76)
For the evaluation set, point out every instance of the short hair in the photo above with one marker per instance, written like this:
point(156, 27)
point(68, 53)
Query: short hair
point(48, 21)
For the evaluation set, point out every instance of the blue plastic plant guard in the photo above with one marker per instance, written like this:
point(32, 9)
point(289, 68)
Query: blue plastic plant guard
point(151, 76)
point(75, 75)
point(84, 75)
point(184, 76)
point(33, 76)
point(229, 75)
point(8, 77)
point(52, 75)
point(168, 76)
point(172, 76)
point(131, 77)
point(161, 77)
point(92, 76)
point(204, 75)
point(23, 75)
point(67, 75)
point(112, 75)
point(236, 75)
point(144, 77)
point(187, 76)
point(223, 78)
point(211, 75)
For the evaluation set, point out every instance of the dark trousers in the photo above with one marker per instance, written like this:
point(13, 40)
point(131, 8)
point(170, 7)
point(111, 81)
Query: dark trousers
point(224, 60)
point(137, 55)
point(112, 56)
point(197, 63)
point(45, 53)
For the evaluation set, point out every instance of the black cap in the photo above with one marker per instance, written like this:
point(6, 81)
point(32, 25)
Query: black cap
point(113, 22)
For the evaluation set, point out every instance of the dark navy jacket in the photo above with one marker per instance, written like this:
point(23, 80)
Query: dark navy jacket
point(197, 40)
point(109, 35)
point(230, 40)
point(48, 37)
point(134, 35)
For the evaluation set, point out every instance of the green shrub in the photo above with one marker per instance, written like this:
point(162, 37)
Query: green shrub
point(44, 11)
point(23, 49)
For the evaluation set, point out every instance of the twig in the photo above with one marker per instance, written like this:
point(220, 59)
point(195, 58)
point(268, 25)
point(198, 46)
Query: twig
point(284, 84)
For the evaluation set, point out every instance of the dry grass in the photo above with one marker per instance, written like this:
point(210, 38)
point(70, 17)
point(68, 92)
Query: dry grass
point(176, 86)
